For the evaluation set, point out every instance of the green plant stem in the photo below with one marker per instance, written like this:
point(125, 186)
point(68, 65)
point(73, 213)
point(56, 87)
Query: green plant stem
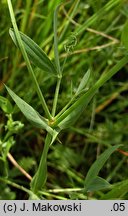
point(6, 181)
point(56, 97)
point(56, 53)
point(44, 105)
point(52, 195)
point(13, 184)
point(65, 107)
point(65, 190)
point(40, 177)
point(57, 61)
point(85, 99)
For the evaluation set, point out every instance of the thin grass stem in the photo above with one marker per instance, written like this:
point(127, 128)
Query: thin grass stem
point(66, 107)
point(52, 195)
point(6, 181)
point(65, 190)
point(56, 97)
point(56, 54)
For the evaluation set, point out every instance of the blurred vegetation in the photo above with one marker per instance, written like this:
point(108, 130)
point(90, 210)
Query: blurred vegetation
point(96, 45)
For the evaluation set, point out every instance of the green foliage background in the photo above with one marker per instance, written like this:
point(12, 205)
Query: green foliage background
point(105, 120)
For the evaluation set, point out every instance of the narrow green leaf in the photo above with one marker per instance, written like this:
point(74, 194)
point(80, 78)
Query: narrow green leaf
point(124, 36)
point(31, 114)
point(97, 183)
point(83, 82)
point(40, 177)
point(35, 53)
point(98, 164)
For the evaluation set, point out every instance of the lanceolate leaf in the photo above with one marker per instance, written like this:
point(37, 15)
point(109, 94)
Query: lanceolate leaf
point(83, 82)
point(35, 53)
point(97, 165)
point(40, 177)
point(31, 114)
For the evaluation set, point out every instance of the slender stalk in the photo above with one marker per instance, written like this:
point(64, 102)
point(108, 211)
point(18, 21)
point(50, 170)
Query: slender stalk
point(52, 195)
point(85, 99)
point(6, 181)
point(44, 105)
point(15, 185)
point(65, 107)
point(56, 97)
point(56, 53)
point(64, 190)
point(57, 61)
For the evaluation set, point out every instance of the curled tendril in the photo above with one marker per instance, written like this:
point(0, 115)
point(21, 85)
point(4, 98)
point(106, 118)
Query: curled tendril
point(70, 43)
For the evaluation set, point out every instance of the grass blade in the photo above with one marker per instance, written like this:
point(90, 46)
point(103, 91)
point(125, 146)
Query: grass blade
point(35, 53)
point(97, 165)
point(124, 36)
